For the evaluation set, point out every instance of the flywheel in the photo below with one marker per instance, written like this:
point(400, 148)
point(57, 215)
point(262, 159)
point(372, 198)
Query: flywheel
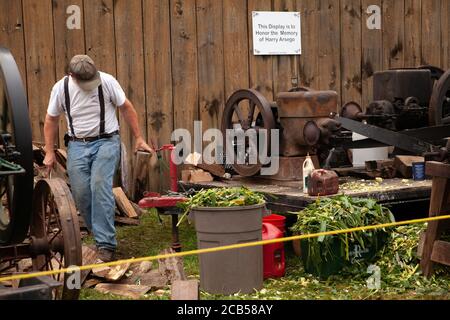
point(247, 110)
point(439, 112)
point(16, 154)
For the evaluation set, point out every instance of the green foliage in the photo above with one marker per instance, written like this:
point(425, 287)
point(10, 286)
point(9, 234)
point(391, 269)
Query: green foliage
point(338, 213)
point(221, 197)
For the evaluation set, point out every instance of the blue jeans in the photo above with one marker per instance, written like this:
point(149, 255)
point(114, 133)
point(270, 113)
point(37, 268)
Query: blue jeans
point(91, 167)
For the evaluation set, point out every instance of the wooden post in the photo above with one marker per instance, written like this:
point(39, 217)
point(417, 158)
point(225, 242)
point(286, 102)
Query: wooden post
point(435, 251)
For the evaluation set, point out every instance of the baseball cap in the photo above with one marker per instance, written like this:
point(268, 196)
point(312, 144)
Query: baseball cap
point(83, 69)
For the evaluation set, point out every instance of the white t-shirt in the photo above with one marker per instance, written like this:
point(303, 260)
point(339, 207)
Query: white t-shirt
point(85, 106)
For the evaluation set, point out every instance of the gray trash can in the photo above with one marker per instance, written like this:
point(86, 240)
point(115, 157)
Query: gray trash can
point(237, 270)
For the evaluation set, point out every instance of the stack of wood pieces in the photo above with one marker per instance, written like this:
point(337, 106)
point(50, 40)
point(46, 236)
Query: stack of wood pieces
point(127, 212)
point(195, 170)
point(381, 169)
point(404, 165)
point(134, 280)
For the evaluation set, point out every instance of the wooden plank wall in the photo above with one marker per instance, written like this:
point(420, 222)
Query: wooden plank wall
point(179, 60)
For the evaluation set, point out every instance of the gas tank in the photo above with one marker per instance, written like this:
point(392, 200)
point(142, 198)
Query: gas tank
point(273, 254)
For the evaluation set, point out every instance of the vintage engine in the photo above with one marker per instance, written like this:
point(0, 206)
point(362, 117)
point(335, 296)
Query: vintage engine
point(302, 116)
point(410, 111)
point(401, 100)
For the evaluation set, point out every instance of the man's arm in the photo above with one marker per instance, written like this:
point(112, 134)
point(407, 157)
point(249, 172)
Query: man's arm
point(130, 116)
point(51, 125)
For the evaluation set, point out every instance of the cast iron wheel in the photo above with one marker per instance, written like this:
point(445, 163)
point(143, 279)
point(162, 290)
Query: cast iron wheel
point(439, 112)
point(16, 189)
point(259, 116)
point(55, 229)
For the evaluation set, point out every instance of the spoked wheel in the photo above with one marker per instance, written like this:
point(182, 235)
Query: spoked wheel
point(248, 110)
point(16, 154)
point(55, 230)
point(440, 101)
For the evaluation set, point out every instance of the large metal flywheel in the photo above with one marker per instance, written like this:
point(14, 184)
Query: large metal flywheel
point(16, 155)
point(246, 110)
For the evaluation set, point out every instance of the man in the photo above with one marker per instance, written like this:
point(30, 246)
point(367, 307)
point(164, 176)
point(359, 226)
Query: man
point(89, 99)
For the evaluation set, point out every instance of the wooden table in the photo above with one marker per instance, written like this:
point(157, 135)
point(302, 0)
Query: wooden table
point(284, 197)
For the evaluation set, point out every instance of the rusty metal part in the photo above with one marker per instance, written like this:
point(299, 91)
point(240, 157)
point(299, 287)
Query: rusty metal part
point(259, 116)
point(299, 113)
point(382, 114)
point(328, 127)
point(307, 104)
point(55, 220)
point(352, 110)
point(311, 133)
point(39, 246)
point(439, 111)
point(17, 189)
point(14, 253)
point(297, 89)
point(393, 85)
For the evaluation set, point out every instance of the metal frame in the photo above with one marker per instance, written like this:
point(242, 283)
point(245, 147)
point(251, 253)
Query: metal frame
point(20, 212)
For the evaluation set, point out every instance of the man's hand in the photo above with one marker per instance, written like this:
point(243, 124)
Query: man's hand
point(50, 162)
point(141, 145)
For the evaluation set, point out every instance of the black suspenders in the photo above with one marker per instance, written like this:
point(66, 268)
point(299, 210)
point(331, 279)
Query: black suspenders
point(102, 107)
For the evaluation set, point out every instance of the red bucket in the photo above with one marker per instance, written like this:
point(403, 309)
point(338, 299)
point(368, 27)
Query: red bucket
point(277, 221)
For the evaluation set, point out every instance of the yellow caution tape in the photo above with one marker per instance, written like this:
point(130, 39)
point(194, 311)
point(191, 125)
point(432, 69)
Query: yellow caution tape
point(218, 249)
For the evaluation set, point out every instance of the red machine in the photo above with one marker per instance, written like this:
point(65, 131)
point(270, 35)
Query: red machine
point(167, 204)
point(274, 260)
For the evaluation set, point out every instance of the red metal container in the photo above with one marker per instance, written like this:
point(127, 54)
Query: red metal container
point(323, 183)
point(273, 256)
point(276, 220)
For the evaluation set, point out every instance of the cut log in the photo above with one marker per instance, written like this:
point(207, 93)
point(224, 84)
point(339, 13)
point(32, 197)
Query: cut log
point(89, 257)
point(403, 164)
point(145, 267)
point(111, 273)
point(124, 221)
point(195, 176)
point(125, 290)
point(140, 175)
point(138, 210)
point(172, 268)
point(123, 203)
point(215, 169)
point(125, 175)
point(153, 279)
point(185, 290)
point(91, 283)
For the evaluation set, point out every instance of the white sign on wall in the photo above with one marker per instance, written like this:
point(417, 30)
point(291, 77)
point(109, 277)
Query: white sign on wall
point(276, 33)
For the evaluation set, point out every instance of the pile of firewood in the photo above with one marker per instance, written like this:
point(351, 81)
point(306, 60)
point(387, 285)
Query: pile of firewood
point(136, 280)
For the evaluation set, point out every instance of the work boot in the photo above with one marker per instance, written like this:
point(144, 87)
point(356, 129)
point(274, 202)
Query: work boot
point(106, 255)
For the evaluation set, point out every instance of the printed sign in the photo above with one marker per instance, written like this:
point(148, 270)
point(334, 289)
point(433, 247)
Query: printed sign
point(276, 33)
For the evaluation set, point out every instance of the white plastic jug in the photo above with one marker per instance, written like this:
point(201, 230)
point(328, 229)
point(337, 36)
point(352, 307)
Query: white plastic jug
point(308, 168)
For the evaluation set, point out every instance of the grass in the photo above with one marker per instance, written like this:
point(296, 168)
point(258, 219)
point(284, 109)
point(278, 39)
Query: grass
point(400, 278)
